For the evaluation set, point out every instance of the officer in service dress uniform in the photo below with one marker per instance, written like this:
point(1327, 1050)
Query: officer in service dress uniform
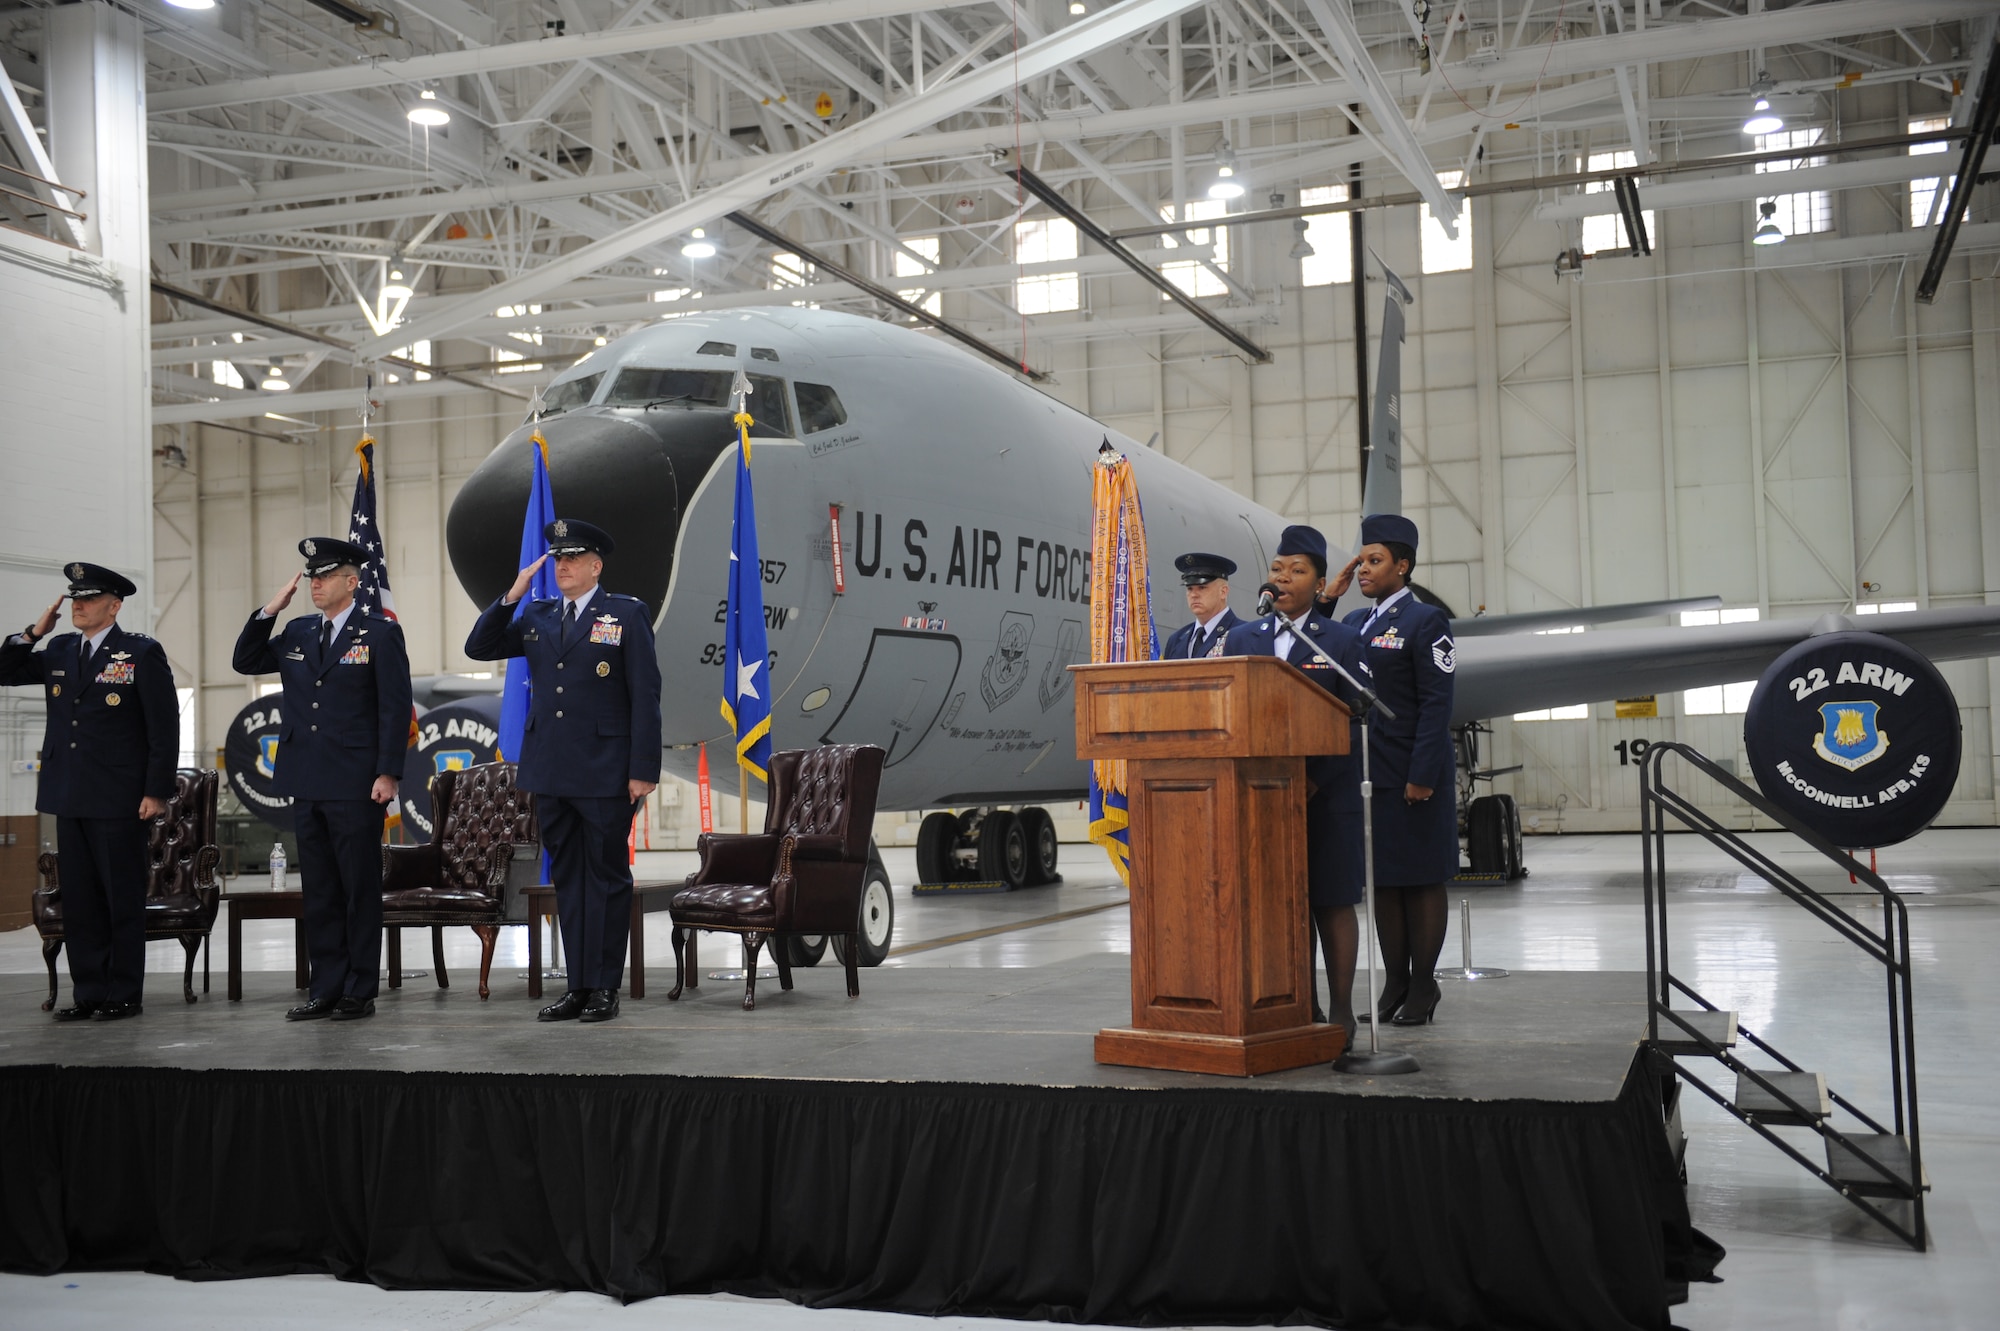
point(591, 752)
point(1411, 653)
point(1206, 578)
point(1333, 802)
point(108, 754)
point(340, 757)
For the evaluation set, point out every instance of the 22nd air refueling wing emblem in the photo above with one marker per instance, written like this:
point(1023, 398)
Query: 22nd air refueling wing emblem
point(1849, 737)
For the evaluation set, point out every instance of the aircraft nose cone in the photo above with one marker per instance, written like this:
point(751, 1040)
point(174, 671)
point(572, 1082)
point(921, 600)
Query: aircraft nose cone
point(622, 472)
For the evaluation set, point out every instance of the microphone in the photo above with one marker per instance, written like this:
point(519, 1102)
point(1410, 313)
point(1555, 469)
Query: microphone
point(1267, 597)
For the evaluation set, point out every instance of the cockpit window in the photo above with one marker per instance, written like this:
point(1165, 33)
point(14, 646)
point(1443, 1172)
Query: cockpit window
point(819, 408)
point(642, 386)
point(575, 393)
point(763, 353)
point(716, 349)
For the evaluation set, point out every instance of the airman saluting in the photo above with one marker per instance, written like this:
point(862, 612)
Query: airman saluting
point(108, 753)
point(346, 729)
point(591, 751)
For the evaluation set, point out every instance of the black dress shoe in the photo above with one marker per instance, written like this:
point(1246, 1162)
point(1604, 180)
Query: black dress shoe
point(353, 1009)
point(567, 1008)
point(603, 1005)
point(312, 1009)
point(1420, 1008)
point(118, 1011)
point(80, 1012)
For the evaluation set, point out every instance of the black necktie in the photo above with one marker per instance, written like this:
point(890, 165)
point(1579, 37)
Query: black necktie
point(325, 635)
point(1200, 642)
point(83, 655)
point(569, 623)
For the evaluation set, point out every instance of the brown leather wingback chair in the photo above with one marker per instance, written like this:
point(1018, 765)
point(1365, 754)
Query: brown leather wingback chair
point(802, 875)
point(181, 892)
point(482, 821)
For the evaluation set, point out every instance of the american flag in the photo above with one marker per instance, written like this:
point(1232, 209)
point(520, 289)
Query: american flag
point(373, 595)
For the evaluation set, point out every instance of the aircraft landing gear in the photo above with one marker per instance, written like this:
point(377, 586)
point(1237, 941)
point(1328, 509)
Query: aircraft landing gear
point(878, 916)
point(988, 845)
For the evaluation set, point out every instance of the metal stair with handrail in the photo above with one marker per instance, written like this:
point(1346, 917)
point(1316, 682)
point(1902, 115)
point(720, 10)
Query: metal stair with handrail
point(1875, 1163)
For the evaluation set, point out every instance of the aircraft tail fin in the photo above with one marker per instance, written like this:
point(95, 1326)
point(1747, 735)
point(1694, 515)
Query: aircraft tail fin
point(1382, 492)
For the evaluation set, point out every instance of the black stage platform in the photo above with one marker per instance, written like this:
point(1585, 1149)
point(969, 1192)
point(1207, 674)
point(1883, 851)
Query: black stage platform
point(944, 1144)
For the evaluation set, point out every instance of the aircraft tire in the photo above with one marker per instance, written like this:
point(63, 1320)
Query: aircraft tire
point(877, 923)
point(936, 836)
point(1003, 850)
point(1043, 848)
point(805, 949)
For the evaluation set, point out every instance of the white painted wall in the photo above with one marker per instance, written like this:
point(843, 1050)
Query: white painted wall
point(76, 454)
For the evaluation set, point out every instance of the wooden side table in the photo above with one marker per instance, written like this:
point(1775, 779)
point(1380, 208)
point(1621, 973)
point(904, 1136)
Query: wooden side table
point(265, 906)
point(647, 898)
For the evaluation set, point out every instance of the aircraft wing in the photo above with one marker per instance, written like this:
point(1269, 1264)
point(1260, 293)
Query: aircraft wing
point(1488, 626)
point(1498, 676)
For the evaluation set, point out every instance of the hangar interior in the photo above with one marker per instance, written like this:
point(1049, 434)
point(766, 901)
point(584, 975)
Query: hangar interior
point(1775, 395)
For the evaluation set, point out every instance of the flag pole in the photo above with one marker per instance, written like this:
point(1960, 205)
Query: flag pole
point(742, 796)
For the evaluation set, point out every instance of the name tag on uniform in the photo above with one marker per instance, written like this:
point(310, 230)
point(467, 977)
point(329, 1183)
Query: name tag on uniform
point(116, 672)
point(607, 631)
point(295, 656)
point(356, 655)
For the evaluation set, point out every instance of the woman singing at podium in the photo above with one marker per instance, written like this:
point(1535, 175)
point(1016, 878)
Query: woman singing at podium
point(1411, 654)
point(1333, 805)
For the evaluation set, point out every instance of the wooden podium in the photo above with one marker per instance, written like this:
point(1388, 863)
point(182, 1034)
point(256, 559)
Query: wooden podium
point(1216, 785)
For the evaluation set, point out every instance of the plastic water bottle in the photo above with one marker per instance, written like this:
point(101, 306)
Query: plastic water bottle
point(278, 866)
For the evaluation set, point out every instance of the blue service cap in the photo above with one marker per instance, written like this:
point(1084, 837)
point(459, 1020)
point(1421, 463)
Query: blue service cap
point(572, 536)
point(86, 580)
point(1382, 528)
point(1199, 569)
point(324, 554)
point(1303, 540)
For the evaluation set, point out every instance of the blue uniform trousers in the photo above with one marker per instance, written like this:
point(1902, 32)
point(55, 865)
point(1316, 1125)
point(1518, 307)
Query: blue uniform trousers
point(340, 872)
point(585, 836)
point(103, 876)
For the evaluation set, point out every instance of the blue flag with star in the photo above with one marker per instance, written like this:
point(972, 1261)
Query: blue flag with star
point(516, 695)
point(746, 670)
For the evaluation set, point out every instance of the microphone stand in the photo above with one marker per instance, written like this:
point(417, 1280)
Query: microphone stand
point(1377, 1062)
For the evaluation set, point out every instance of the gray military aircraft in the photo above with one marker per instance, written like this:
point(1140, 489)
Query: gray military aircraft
point(924, 522)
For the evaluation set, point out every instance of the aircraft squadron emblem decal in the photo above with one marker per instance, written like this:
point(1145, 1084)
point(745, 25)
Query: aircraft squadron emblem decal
point(1007, 668)
point(1849, 737)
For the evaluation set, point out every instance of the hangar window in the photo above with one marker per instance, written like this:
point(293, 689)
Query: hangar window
point(1046, 240)
point(908, 266)
point(1809, 210)
point(1194, 277)
point(638, 386)
point(225, 373)
point(1884, 607)
point(1718, 699)
point(1332, 257)
point(819, 408)
point(1924, 191)
point(517, 362)
point(185, 698)
point(568, 396)
point(1606, 231)
point(1441, 253)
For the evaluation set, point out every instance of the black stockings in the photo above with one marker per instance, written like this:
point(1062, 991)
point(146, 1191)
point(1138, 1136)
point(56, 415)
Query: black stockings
point(1409, 925)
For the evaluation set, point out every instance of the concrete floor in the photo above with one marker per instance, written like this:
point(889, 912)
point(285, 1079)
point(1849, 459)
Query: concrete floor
point(1798, 1255)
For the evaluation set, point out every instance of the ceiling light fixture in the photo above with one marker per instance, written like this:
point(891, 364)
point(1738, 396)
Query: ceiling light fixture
point(1767, 232)
point(1225, 186)
point(396, 288)
point(1302, 248)
point(428, 111)
point(192, 4)
point(1762, 120)
point(1076, 7)
point(274, 382)
point(698, 246)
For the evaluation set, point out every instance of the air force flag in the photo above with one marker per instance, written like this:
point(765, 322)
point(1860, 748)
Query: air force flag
point(746, 670)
